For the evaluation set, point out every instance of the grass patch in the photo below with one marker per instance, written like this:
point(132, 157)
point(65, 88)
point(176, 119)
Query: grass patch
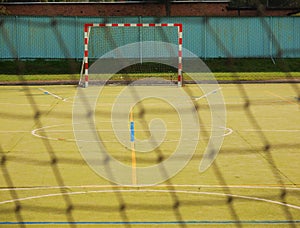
point(253, 65)
point(68, 70)
point(219, 76)
point(40, 66)
point(255, 76)
point(44, 77)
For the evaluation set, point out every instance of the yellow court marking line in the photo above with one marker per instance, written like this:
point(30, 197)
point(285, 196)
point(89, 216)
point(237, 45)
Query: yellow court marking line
point(133, 164)
point(281, 98)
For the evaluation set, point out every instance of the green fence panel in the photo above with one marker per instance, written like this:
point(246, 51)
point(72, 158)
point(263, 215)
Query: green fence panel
point(26, 37)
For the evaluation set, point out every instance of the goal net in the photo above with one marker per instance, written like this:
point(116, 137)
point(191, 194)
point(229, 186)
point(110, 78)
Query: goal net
point(126, 52)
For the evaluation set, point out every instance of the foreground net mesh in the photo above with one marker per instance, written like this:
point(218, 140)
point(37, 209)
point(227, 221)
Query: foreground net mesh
point(75, 196)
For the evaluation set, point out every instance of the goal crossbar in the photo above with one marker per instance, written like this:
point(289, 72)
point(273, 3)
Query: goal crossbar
point(88, 26)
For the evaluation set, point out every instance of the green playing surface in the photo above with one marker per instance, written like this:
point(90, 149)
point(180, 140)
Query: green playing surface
point(254, 180)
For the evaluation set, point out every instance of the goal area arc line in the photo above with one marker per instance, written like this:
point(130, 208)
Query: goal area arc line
point(203, 193)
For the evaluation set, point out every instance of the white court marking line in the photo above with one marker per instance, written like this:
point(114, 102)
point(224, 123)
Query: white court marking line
point(154, 103)
point(112, 130)
point(4, 132)
point(271, 130)
point(34, 133)
point(207, 94)
point(157, 191)
point(52, 94)
point(152, 186)
point(16, 104)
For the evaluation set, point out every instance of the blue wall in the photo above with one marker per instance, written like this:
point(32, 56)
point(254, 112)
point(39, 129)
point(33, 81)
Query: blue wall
point(207, 37)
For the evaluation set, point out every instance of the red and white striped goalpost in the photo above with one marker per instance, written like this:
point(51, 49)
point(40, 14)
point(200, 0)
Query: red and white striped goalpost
point(87, 28)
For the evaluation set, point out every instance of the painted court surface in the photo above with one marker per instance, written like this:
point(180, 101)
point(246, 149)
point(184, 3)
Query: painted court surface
point(254, 180)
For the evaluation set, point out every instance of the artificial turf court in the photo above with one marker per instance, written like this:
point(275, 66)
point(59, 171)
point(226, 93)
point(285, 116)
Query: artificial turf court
point(253, 181)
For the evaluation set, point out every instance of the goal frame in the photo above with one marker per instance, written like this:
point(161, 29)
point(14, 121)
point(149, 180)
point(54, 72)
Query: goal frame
point(84, 80)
